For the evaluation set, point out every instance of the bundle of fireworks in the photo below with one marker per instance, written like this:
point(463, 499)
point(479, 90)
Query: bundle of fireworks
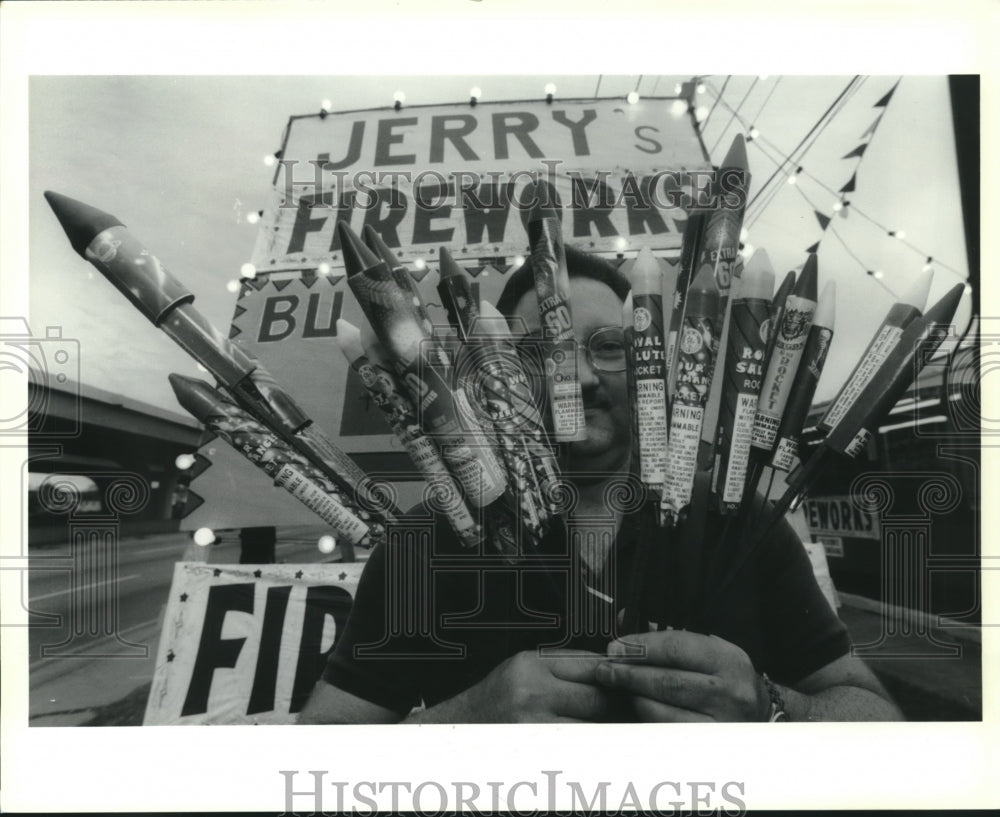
point(250, 410)
point(462, 407)
point(714, 356)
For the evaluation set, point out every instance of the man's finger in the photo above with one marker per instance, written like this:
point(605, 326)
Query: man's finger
point(656, 712)
point(688, 690)
point(580, 701)
point(573, 666)
point(670, 648)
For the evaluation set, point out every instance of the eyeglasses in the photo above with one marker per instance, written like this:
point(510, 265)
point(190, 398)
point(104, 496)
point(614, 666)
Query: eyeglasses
point(605, 349)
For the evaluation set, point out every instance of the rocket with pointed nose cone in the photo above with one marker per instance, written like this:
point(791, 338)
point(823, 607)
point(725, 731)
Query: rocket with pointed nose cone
point(395, 312)
point(140, 276)
point(390, 396)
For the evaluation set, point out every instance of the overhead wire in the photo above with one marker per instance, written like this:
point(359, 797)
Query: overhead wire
point(761, 141)
point(735, 113)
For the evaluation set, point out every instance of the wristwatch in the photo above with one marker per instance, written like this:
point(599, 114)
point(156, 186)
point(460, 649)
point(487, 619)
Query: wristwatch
point(777, 711)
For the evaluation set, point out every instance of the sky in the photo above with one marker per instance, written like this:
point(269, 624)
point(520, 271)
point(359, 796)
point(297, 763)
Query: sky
point(179, 159)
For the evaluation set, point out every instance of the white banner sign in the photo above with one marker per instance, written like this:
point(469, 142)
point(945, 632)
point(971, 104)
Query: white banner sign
point(246, 643)
point(461, 176)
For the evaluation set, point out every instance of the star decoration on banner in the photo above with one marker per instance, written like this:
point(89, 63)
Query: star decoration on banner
point(342, 576)
point(184, 596)
point(257, 573)
point(170, 655)
point(298, 574)
point(216, 572)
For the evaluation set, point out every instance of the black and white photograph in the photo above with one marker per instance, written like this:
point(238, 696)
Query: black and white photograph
point(445, 421)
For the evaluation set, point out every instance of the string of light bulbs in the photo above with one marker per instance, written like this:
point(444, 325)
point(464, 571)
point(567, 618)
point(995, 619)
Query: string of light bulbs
point(839, 203)
point(839, 106)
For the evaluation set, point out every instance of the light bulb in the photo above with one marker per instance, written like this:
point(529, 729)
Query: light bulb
point(701, 88)
point(621, 243)
point(700, 113)
point(754, 133)
point(475, 92)
point(323, 269)
point(270, 160)
point(791, 180)
point(248, 270)
point(253, 217)
point(678, 107)
point(550, 88)
point(878, 274)
point(399, 96)
point(204, 536)
point(326, 544)
point(632, 98)
point(838, 206)
point(233, 286)
point(419, 264)
point(518, 261)
point(184, 461)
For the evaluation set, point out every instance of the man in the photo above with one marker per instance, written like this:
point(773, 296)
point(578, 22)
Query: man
point(445, 635)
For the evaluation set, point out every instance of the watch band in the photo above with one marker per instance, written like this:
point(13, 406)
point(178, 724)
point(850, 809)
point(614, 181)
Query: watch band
point(777, 712)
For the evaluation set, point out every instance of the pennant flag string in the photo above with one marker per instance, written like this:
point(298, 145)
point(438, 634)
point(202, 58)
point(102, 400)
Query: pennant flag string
point(765, 146)
point(871, 128)
point(859, 151)
point(812, 130)
point(884, 101)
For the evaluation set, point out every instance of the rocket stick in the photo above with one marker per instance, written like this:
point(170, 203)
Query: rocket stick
point(394, 310)
point(786, 450)
point(288, 468)
point(695, 361)
point(885, 339)
point(391, 398)
point(548, 261)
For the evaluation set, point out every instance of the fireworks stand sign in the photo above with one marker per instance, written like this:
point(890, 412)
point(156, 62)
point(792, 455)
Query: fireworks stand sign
point(423, 178)
point(246, 643)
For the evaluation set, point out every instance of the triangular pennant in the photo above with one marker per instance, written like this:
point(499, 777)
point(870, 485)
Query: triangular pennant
point(308, 278)
point(238, 311)
point(850, 186)
point(200, 466)
point(824, 221)
point(258, 282)
point(280, 285)
point(418, 275)
point(859, 151)
point(192, 502)
point(488, 268)
point(884, 101)
point(476, 271)
point(871, 129)
point(814, 248)
point(335, 277)
point(234, 330)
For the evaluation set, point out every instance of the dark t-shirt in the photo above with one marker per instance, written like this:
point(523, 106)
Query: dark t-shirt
point(430, 618)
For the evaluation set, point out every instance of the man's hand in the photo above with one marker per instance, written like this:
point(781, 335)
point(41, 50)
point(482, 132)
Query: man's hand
point(529, 688)
point(684, 677)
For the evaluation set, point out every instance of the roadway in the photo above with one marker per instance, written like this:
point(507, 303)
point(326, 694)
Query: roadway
point(95, 644)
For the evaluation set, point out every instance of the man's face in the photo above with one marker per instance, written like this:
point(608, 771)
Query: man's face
point(605, 394)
